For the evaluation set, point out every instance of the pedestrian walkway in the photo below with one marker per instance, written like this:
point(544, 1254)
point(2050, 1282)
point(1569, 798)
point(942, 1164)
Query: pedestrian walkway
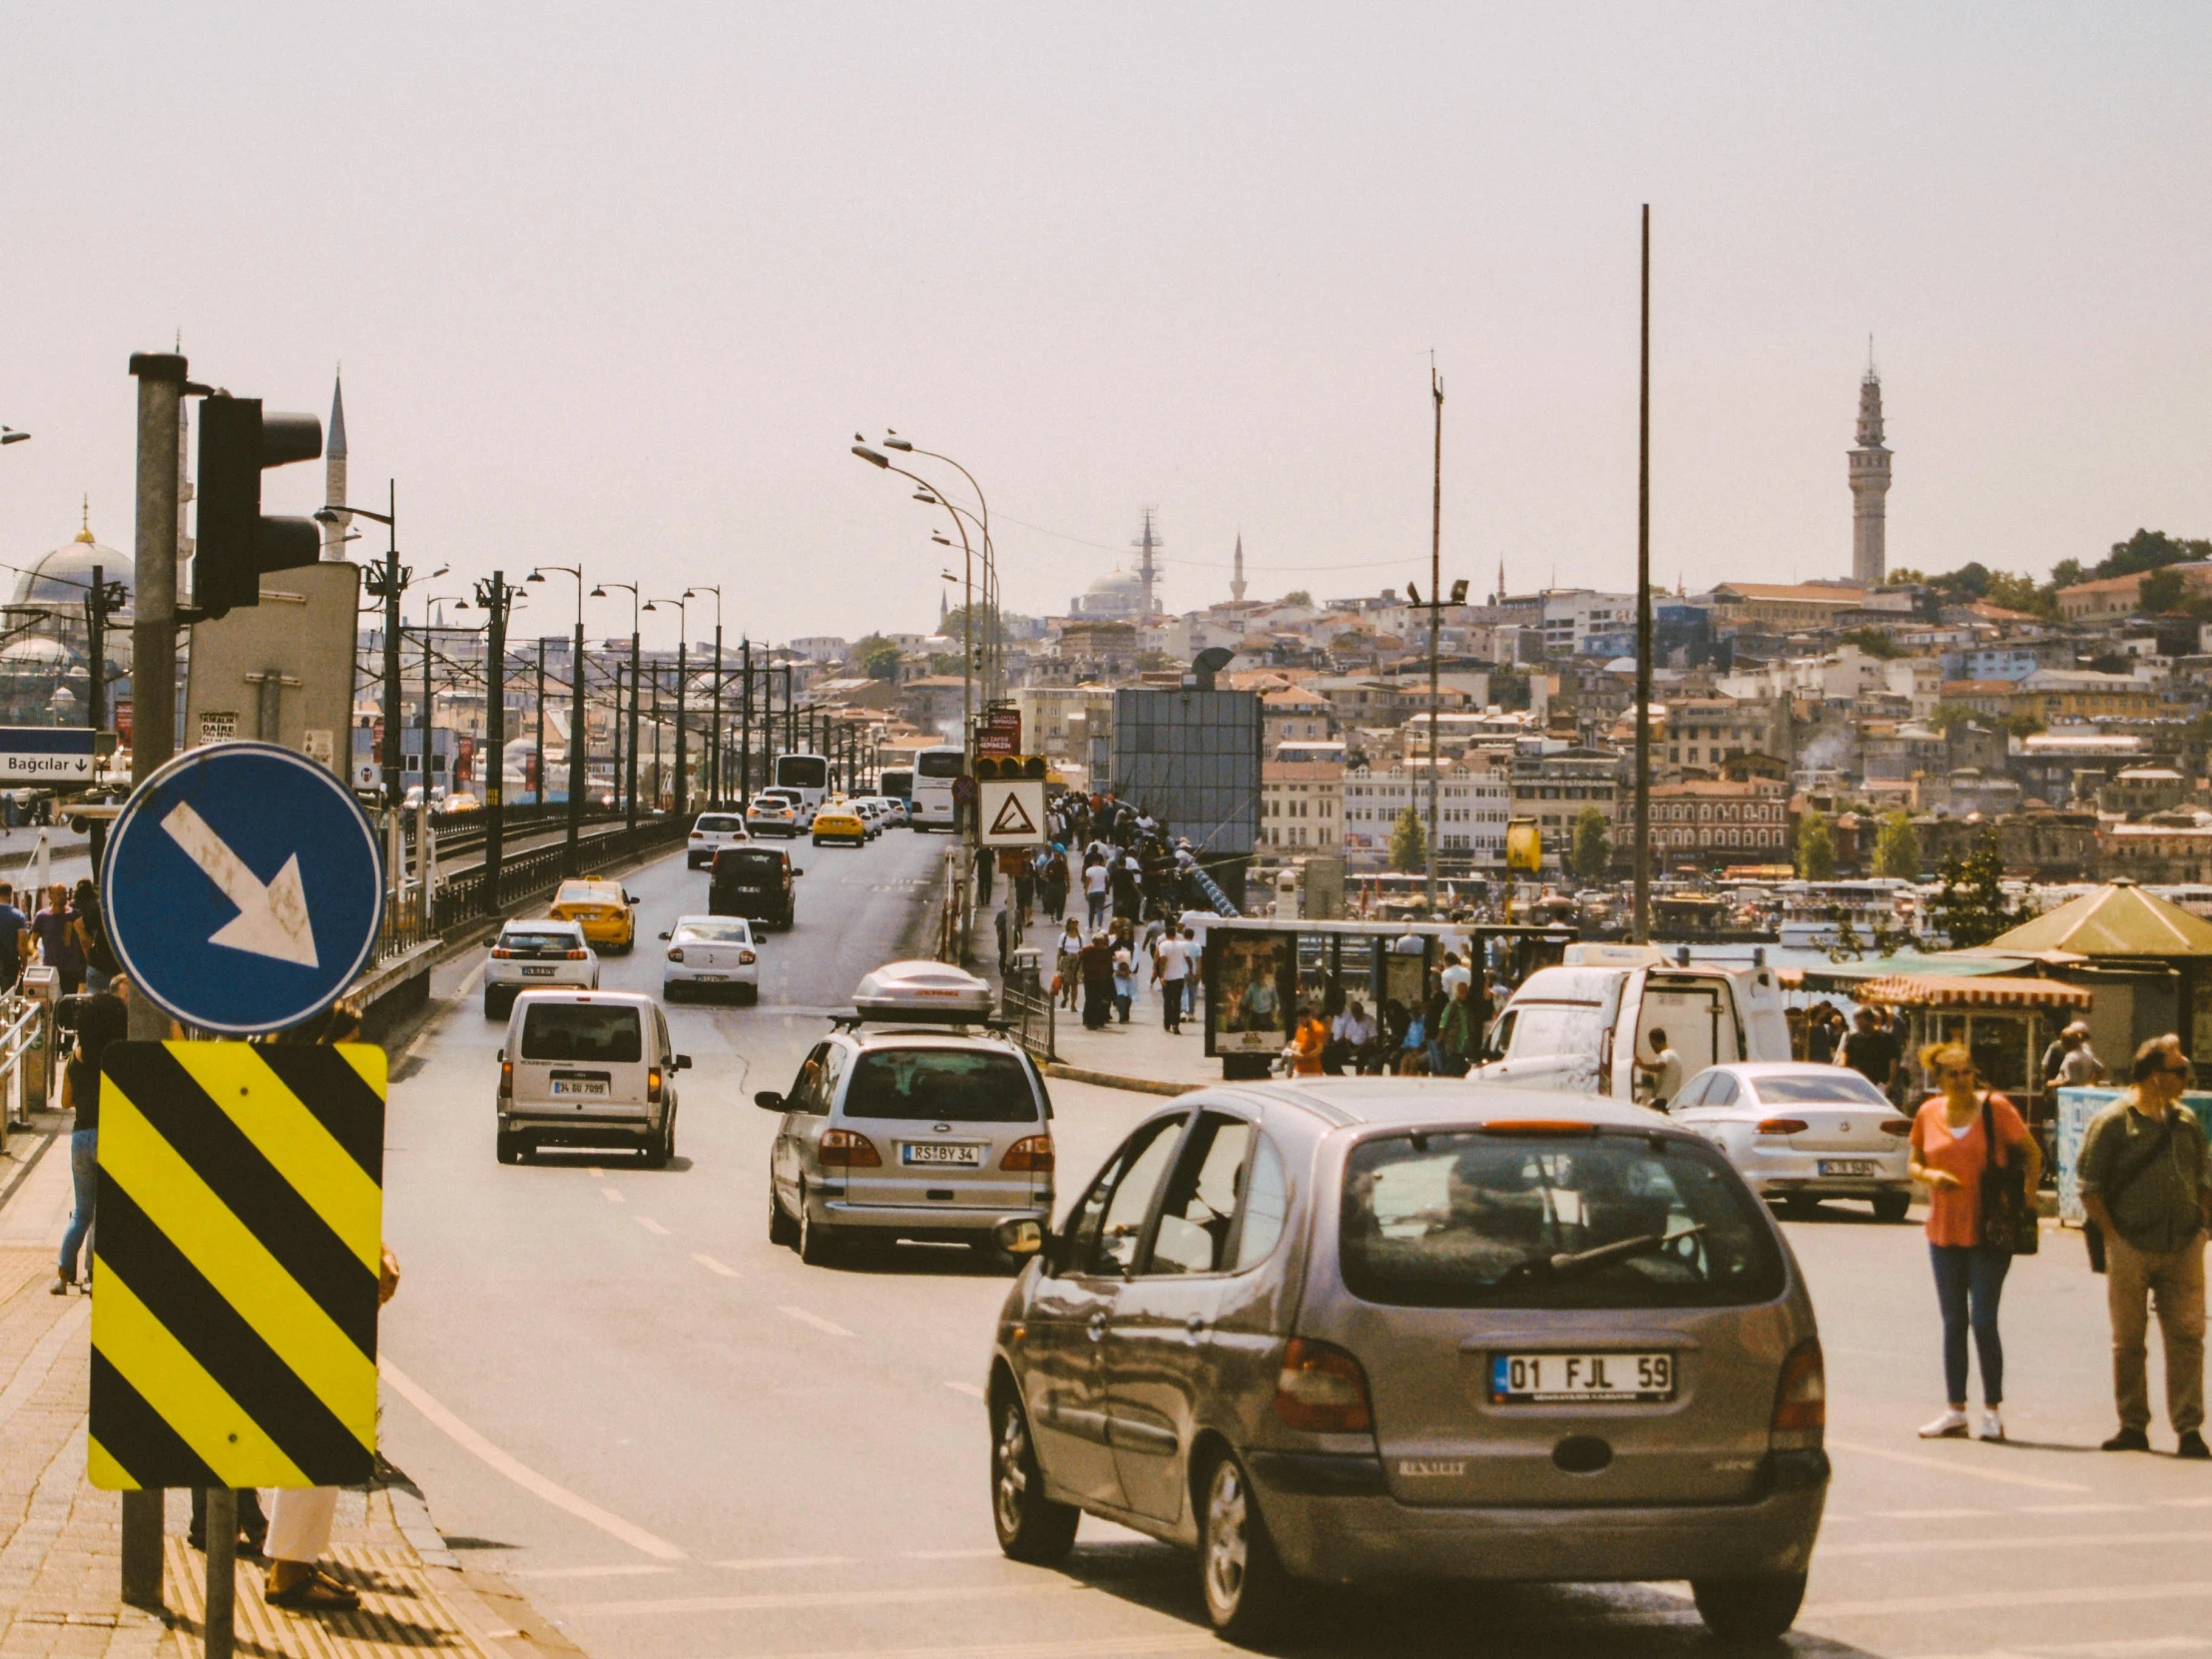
point(60, 1538)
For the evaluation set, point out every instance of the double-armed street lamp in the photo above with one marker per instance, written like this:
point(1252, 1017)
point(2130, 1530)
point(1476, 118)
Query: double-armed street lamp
point(968, 609)
point(630, 750)
point(389, 582)
point(714, 720)
point(8, 434)
point(683, 633)
point(495, 596)
point(995, 682)
point(578, 745)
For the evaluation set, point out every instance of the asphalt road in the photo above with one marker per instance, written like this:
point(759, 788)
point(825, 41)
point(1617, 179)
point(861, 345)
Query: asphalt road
point(681, 1441)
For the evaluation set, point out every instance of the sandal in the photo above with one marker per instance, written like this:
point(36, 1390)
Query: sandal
point(318, 1592)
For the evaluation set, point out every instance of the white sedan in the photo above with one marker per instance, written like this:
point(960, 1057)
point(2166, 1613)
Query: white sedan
point(708, 954)
point(1800, 1132)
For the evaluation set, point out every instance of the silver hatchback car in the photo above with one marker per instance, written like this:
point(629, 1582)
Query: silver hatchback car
point(907, 1132)
point(1387, 1330)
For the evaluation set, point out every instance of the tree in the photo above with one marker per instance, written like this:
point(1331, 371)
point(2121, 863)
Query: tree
point(1970, 908)
point(2068, 573)
point(2161, 591)
point(1946, 715)
point(1408, 841)
point(1873, 642)
point(1590, 854)
point(2150, 550)
point(1897, 850)
point(1816, 848)
point(877, 657)
point(1298, 596)
point(2014, 592)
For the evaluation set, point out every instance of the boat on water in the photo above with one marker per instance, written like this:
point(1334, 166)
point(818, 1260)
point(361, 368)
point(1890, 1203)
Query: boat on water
point(1816, 913)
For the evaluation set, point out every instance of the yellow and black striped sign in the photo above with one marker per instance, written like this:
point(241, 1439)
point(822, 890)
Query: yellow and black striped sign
point(237, 1240)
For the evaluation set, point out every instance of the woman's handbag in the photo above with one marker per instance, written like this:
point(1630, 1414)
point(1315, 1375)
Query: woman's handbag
point(2008, 1222)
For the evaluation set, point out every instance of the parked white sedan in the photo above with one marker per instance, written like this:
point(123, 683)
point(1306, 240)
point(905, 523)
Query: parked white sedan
point(1800, 1132)
point(709, 955)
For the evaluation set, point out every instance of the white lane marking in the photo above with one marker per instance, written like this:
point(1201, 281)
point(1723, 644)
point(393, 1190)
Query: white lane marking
point(635, 1571)
point(1980, 1600)
point(2056, 1540)
point(2185, 1503)
point(953, 1554)
point(521, 1474)
point(1096, 1647)
point(827, 1327)
point(763, 1563)
point(611, 1195)
point(814, 1599)
point(1927, 1514)
point(968, 1388)
point(467, 985)
point(1956, 1466)
point(2120, 1649)
point(653, 1227)
point(712, 1266)
point(2079, 1508)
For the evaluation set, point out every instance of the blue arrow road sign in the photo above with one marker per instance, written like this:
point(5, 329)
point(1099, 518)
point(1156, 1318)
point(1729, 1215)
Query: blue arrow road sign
point(242, 887)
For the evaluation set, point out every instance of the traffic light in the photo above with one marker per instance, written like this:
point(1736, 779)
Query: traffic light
point(235, 544)
point(1010, 768)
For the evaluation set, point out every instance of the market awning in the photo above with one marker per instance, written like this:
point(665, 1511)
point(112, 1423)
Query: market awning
point(1910, 990)
point(1847, 977)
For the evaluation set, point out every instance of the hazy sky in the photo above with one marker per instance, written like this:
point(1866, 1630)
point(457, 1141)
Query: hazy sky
point(621, 282)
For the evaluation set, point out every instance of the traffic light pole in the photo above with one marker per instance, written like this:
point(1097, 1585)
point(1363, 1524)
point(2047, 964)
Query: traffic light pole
point(161, 386)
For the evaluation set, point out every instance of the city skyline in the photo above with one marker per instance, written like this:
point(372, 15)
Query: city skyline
point(638, 323)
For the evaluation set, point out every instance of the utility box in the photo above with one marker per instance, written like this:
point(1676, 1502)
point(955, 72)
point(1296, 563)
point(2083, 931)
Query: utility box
point(280, 672)
point(42, 1064)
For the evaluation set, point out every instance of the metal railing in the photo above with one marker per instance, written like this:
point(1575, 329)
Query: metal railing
point(22, 1039)
point(1028, 1007)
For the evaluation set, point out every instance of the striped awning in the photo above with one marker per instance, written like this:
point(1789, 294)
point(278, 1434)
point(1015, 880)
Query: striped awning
point(1907, 991)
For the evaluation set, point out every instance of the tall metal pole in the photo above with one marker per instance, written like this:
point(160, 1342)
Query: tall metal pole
point(745, 725)
point(791, 710)
point(394, 788)
point(681, 792)
point(714, 721)
point(629, 780)
point(1436, 623)
point(579, 745)
point(614, 728)
point(538, 794)
point(493, 597)
point(1642, 926)
point(427, 698)
point(160, 383)
point(96, 691)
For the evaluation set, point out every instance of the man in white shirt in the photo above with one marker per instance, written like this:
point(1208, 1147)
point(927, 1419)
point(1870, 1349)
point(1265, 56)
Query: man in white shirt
point(1349, 1038)
point(1664, 1070)
point(1171, 965)
point(1095, 880)
point(1456, 974)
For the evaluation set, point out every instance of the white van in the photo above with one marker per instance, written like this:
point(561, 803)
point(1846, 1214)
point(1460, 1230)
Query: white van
point(588, 1068)
point(1581, 1027)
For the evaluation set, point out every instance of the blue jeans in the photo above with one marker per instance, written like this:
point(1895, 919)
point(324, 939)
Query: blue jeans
point(84, 1174)
point(1968, 1281)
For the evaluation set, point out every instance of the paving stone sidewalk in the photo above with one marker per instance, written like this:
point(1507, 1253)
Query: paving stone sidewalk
point(60, 1563)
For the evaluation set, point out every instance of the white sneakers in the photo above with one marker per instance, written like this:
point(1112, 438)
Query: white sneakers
point(1993, 1424)
point(1950, 1426)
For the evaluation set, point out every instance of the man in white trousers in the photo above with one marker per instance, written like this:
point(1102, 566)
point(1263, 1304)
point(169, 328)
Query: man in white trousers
point(299, 1520)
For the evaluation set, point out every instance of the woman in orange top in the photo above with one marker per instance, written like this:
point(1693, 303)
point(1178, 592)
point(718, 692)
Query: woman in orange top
point(1951, 1149)
point(1307, 1044)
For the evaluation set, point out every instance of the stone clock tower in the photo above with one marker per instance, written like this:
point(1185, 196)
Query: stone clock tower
point(1870, 482)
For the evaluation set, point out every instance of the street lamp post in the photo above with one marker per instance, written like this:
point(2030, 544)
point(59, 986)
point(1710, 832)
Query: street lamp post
point(495, 594)
point(683, 625)
point(578, 747)
point(968, 609)
point(714, 721)
point(630, 763)
point(388, 582)
point(994, 685)
point(429, 695)
point(744, 728)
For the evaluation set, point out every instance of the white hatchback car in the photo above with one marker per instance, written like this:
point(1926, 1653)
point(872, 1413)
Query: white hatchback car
point(533, 955)
point(1800, 1132)
point(588, 1068)
point(706, 954)
point(710, 833)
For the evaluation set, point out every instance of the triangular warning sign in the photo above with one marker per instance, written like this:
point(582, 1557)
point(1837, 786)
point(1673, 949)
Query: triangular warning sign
point(1013, 818)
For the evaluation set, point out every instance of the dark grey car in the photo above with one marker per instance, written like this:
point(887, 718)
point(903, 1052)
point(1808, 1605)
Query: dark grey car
point(1387, 1329)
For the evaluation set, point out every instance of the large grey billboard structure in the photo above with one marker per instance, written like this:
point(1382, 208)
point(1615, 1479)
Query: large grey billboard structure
point(282, 672)
point(1191, 759)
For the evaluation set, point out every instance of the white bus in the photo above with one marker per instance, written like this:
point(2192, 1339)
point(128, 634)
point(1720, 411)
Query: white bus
point(807, 775)
point(934, 770)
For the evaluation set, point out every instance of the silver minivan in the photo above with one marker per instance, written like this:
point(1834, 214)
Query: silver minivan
point(907, 1132)
point(1370, 1329)
point(588, 1068)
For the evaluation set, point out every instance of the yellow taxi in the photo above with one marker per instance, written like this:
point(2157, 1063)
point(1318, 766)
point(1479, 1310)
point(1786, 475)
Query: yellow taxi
point(839, 820)
point(601, 908)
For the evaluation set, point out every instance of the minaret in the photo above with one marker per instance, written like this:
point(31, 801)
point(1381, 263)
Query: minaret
point(333, 475)
point(944, 611)
point(1150, 542)
point(1237, 581)
point(1870, 482)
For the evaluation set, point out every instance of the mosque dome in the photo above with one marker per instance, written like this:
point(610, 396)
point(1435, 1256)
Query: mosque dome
point(63, 576)
point(1117, 583)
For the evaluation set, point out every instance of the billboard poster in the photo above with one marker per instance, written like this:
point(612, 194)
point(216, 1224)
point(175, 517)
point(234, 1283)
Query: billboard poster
point(1250, 990)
